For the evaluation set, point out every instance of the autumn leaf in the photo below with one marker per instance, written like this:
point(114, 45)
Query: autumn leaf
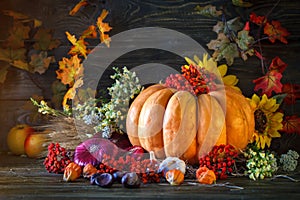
point(69, 70)
point(22, 18)
point(275, 31)
point(3, 71)
point(11, 55)
point(277, 64)
point(21, 65)
point(44, 41)
point(208, 11)
point(231, 27)
point(244, 40)
point(291, 124)
point(79, 46)
point(268, 83)
point(17, 35)
point(77, 7)
point(292, 91)
point(104, 28)
point(223, 48)
point(90, 32)
point(70, 94)
point(242, 3)
point(40, 62)
point(259, 20)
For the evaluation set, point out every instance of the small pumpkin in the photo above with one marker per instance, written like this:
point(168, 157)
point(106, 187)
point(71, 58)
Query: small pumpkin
point(205, 175)
point(171, 163)
point(174, 177)
point(176, 123)
point(89, 170)
point(72, 172)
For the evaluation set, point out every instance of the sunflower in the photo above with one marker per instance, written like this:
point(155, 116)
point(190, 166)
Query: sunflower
point(267, 120)
point(211, 66)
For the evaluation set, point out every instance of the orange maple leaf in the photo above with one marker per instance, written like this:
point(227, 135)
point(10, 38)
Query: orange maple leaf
point(275, 31)
point(69, 70)
point(103, 28)
point(90, 32)
point(79, 46)
point(77, 7)
point(70, 94)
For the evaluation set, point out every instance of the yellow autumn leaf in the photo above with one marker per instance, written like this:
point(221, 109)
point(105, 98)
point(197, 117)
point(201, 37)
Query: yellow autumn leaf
point(79, 46)
point(70, 94)
point(104, 28)
point(77, 7)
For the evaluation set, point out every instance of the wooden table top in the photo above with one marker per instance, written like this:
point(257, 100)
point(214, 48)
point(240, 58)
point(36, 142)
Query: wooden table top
point(25, 178)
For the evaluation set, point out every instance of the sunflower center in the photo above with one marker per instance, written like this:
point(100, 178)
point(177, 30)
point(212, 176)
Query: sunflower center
point(260, 121)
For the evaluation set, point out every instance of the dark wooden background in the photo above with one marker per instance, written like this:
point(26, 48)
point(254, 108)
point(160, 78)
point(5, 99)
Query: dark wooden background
point(128, 14)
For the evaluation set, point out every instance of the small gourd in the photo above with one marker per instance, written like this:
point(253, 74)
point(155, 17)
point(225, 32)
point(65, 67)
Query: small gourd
point(72, 172)
point(172, 163)
point(89, 170)
point(205, 175)
point(175, 177)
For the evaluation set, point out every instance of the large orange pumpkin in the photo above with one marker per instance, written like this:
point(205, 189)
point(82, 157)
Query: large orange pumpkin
point(179, 124)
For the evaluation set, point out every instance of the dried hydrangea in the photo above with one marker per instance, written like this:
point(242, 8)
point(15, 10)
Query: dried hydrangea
point(260, 163)
point(289, 161)
point(126, 86)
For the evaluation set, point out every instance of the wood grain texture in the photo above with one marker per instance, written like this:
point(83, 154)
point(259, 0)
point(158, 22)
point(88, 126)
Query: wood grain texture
point(129, 14)
point(27, 179)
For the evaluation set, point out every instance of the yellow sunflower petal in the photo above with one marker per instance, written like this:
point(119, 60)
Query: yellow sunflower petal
point(190, 61)
point(254, 101)
point(274, 134)
point(197, 59)
point(230, 80)
point(222, 69)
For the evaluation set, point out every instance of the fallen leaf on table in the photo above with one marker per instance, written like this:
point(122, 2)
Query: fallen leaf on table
point(268, 83)
point(208, 11)
point(292, 92)
point(40, 62)
point(79, 46)
point(44, 40)
point(276, 32)
point(104, 28)
point(3, 71)
point(77, 7)
point(291, 124)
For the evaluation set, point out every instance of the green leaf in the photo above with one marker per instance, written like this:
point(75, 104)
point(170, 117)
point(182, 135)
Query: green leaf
point(224, 49)
point(40, 62)
point(208, 11)
point(279, 98)
point(244, 40)
point(44, 40)
point(3, 71)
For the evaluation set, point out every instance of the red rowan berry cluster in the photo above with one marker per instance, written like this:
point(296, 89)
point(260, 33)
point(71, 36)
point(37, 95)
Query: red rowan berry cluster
point(221, 160)
point(57, 159)
point(178, 82)
point(200, 79)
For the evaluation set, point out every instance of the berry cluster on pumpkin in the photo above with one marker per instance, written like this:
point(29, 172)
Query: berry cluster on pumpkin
point(193, 79)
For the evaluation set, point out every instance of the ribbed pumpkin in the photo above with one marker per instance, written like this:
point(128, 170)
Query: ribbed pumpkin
point(180, 124)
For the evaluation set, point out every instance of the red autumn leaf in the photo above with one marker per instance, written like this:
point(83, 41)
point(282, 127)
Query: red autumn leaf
point(259, 55)
point(247, 27)
point(275, 31)
point(292, 91)
point(268, 83)
point(257, 19)
point(291, 124)
point(277, 64)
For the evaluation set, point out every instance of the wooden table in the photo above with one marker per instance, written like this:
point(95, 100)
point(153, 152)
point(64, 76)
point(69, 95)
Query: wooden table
point(24, 178)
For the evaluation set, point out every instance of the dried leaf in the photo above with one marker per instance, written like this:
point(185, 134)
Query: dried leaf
point(208, 11)
point(22, 18)
point(104, 28)
point(77, 7)
point(17, 35)
point(21, 65)
point(3, 71)
point(9, 55)
point(291, 124)
point(259, 20)
point(292, 91)
point(230, 28)
point(79, 46)
point(223, 49)
point(275, 31)
point(44, 40)
point(244, 41)
point(40, 62)
point(268, 83)
point(90, 32)
point(242, 3)
point(70, 94)
point(69, 70)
